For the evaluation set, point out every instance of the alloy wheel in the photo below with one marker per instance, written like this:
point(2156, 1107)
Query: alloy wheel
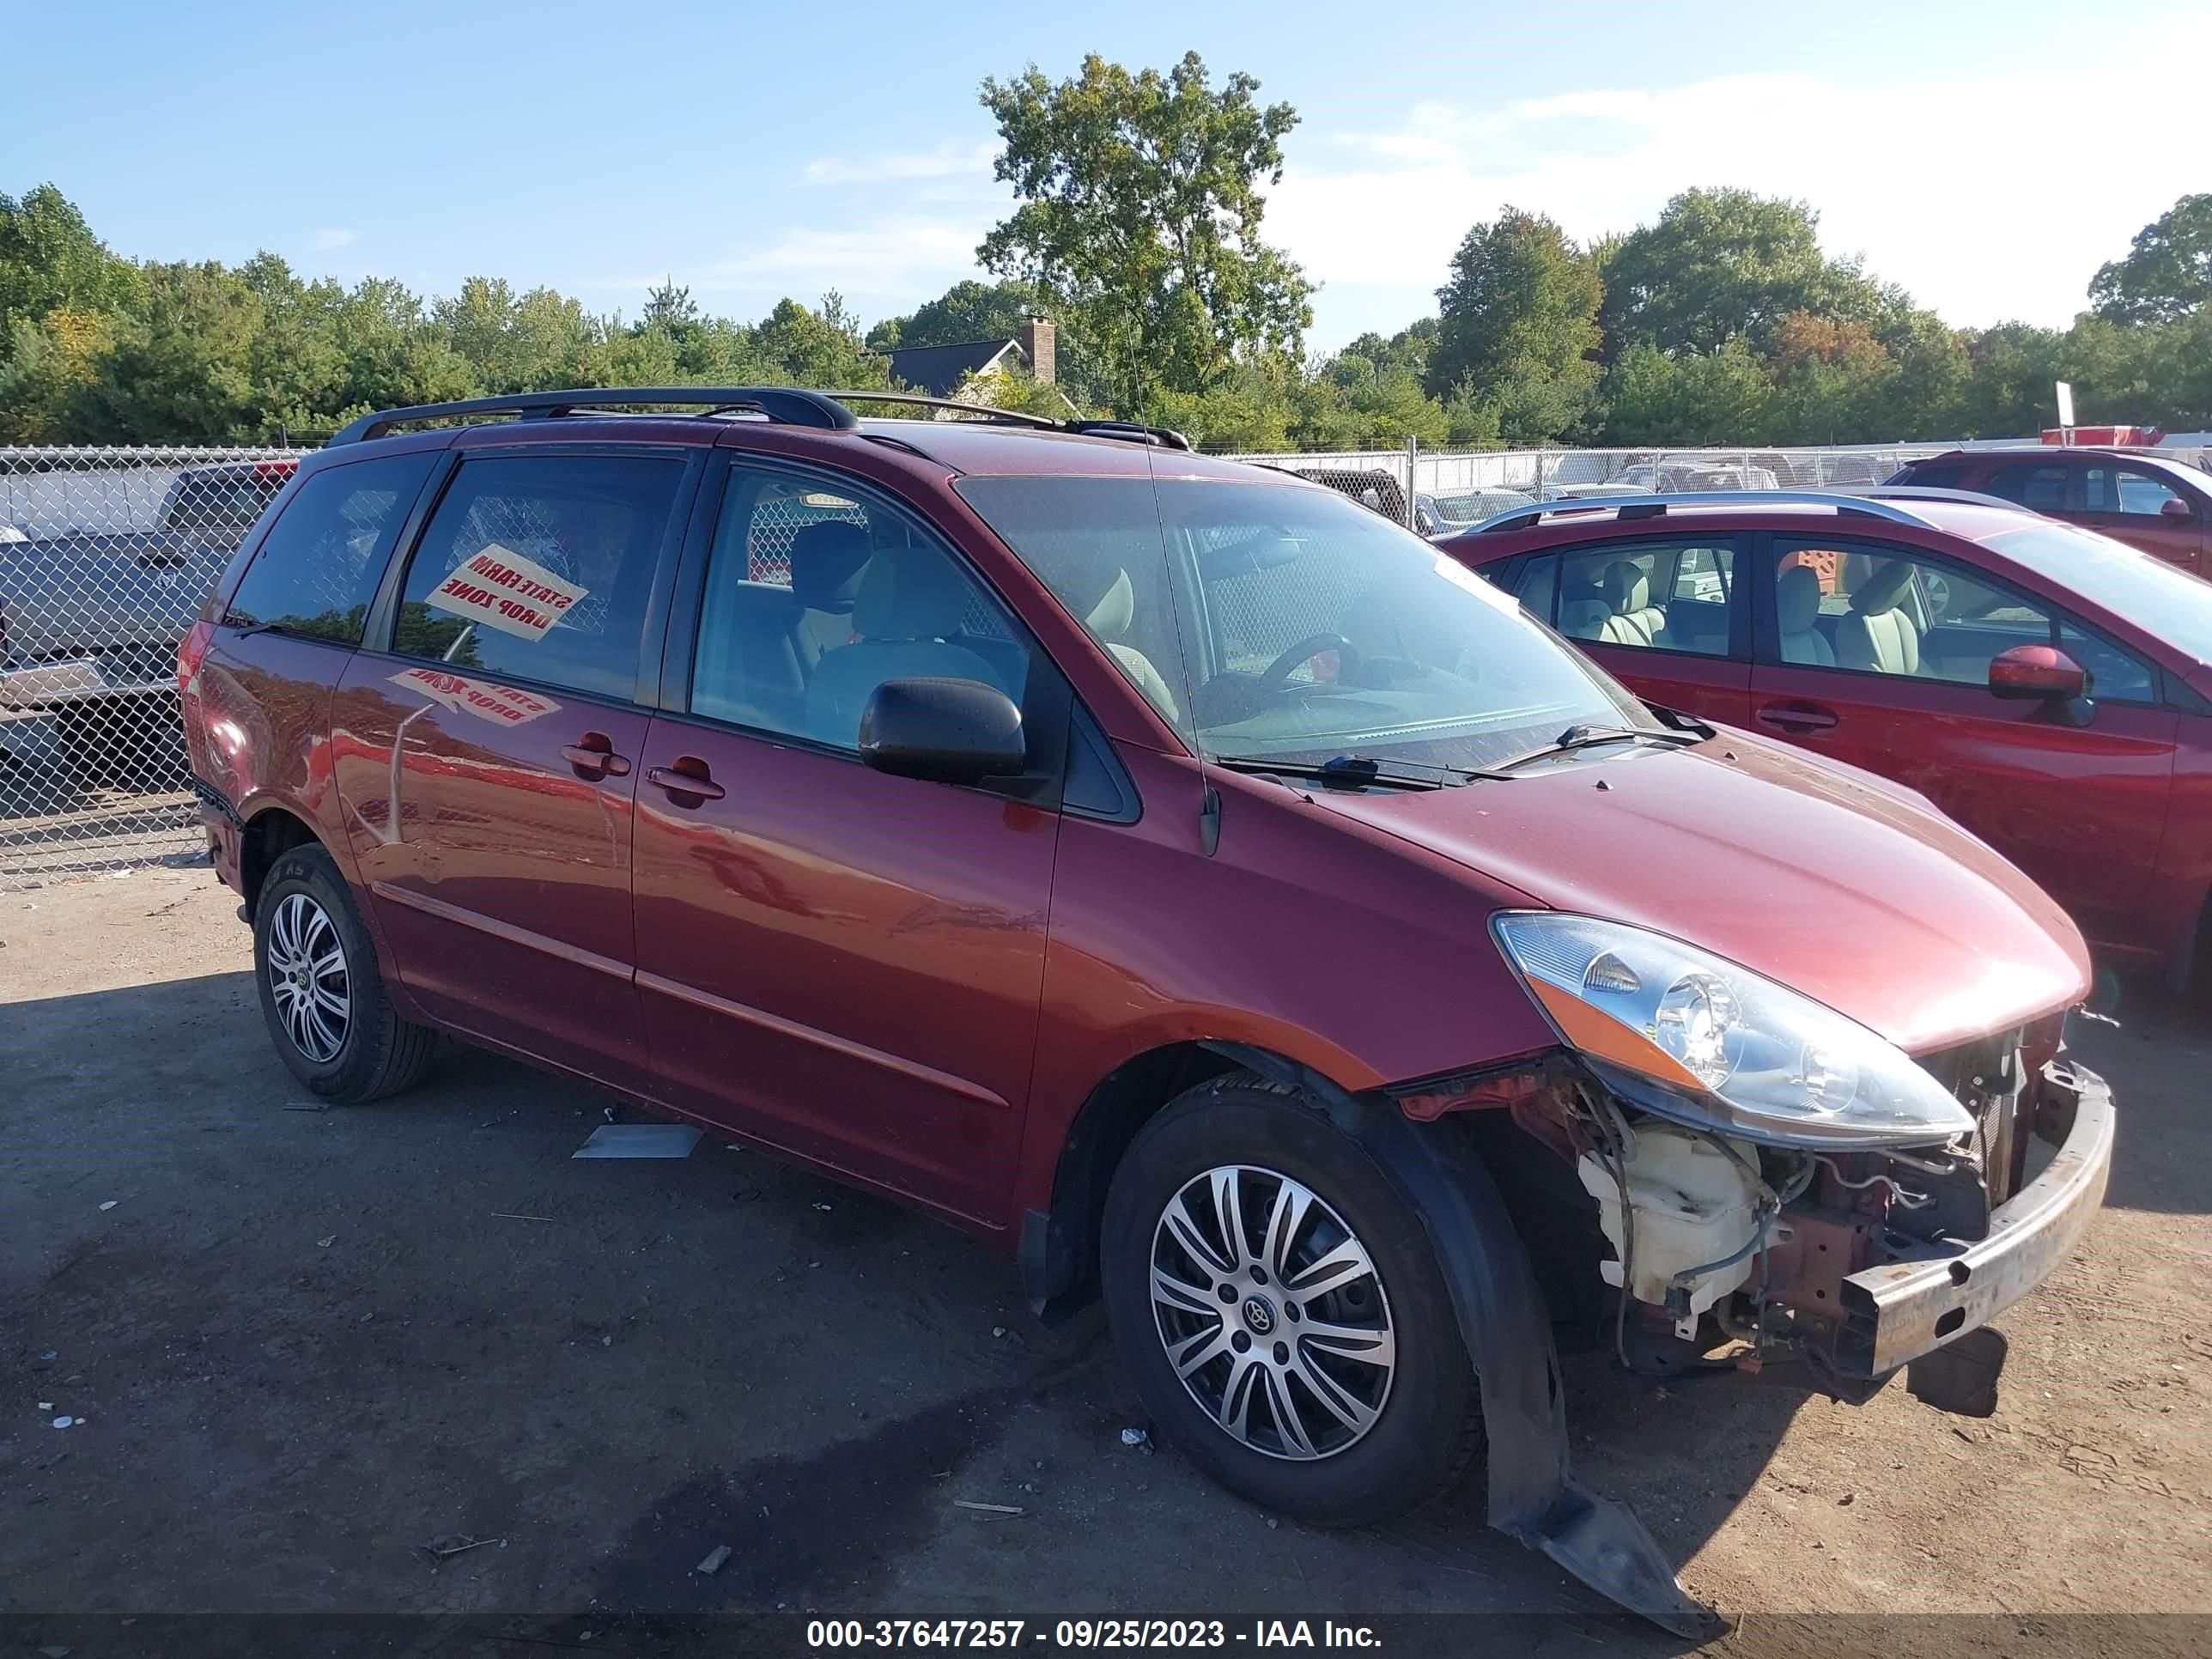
point(1272, 1312)
point(307, 977)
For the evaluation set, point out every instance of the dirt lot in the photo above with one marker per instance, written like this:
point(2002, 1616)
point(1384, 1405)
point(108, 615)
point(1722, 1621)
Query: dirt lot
point(303, 1344)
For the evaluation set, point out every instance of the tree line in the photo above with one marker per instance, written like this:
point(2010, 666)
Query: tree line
point(1140, 198)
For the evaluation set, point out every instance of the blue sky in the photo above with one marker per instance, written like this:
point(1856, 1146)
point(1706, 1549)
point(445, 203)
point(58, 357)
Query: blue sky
point(1988, 156)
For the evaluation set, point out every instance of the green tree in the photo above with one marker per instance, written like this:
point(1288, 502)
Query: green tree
point(518, 342)
point(1140, 218)
point(2009, 370)
point(968, 310)
point(49, 259)
point(1715, 398)
point(1518, 326)
point(1723, 265)
point(1359, 402)
point(818, 348)
point(181, 372)
point(2168, 272)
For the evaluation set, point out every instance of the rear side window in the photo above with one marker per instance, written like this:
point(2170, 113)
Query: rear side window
point(319, 566)
point(2038, 487)
point(1935, 475)
point(539, 568)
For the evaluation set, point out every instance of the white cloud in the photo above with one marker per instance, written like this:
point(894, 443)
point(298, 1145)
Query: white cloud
point(327, 239)
point(900, 258)
point(1987, 197)
point(948, 160)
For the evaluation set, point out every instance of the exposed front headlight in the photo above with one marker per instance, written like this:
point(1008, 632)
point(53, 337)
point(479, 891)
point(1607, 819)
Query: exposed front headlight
point(1731, 1049)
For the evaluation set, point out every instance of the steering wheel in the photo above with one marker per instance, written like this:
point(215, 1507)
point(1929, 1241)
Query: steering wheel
point(1347, 656)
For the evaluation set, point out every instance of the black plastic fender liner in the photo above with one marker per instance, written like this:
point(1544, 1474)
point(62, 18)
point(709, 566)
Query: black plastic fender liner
point(1508, 1333)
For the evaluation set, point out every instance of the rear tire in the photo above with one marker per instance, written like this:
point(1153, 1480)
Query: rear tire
point(1338, 1394)
point(321, 994)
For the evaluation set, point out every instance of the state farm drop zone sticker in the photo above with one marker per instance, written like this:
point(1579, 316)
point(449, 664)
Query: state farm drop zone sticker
point(502, 705)
point(502, 589)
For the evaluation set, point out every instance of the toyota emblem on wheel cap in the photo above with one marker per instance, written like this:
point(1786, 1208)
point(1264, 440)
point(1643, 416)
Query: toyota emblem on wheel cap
point(1260, 1314)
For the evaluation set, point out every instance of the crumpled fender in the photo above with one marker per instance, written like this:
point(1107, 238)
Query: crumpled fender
point(1508, 1333)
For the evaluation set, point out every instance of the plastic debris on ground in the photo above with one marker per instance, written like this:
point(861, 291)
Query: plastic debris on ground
point(639, 1140)
point(715, 1559)
point(1137, 1438)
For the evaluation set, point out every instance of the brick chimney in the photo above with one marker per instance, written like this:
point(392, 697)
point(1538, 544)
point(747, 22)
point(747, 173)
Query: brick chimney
point(1036, 337)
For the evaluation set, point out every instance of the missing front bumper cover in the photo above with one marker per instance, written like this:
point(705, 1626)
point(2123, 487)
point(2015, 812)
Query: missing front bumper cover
point(1895, 1312)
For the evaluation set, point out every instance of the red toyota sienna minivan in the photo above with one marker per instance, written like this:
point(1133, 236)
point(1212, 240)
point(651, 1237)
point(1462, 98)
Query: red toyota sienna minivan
point(1166, 869)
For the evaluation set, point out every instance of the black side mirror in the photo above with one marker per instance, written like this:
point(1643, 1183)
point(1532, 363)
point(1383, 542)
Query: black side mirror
point(944, 730)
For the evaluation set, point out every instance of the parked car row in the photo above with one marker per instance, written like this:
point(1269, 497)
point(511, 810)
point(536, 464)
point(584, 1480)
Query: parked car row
point(1197, 886)
point(2161, 505)
point(2046, 687)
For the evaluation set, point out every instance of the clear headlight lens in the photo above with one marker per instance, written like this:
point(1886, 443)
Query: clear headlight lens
point(1731, 1049)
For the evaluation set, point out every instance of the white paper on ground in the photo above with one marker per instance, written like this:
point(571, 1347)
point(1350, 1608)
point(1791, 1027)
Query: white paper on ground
point(639, 1140)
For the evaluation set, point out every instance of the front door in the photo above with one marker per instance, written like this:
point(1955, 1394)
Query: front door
point(840, 963)
point(1890, 672)
point(2135, 505)
point(488, 761)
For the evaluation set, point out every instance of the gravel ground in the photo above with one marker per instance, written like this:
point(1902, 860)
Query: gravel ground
point(304, 1344)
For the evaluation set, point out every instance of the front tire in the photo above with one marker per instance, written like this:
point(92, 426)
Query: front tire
point(1282, 1310)
point(321, 994)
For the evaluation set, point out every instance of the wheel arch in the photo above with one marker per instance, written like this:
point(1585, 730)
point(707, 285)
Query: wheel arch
point(263, 838)
point(1058, 1249)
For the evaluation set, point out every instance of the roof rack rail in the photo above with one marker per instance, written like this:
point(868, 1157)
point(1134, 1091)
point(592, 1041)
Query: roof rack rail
point(923, 399)
point(1135, 431)
point(1930, 492)
point(1750, 500)
point(1164, 436)
point(787, 405)
point(783, 405)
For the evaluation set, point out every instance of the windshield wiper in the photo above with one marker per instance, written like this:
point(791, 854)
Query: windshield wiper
point(1354, 771)
point(1597, 736)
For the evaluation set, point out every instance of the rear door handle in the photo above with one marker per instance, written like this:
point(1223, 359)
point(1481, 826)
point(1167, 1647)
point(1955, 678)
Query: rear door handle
point(1797, 719)
point(686, 781)
point(593, 756)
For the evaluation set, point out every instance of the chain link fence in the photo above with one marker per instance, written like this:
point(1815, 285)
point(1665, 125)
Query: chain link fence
point(106, 556)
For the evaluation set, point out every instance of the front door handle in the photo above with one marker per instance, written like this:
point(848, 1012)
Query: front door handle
point(593, 756)
point(686, 781)
point(1798, 720)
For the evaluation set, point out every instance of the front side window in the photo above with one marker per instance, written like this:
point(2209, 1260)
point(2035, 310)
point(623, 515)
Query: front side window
point(2120, 490)
point(319, 567)
point(815, 597)
point(1882, 611)
point(1272, 621)
point(539, 568)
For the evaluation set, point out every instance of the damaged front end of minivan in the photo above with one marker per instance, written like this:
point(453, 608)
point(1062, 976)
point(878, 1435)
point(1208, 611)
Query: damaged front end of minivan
point(1781, 1190)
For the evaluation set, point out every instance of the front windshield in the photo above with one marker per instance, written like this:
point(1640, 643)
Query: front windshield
point(1278, 623)
point(2165, 603)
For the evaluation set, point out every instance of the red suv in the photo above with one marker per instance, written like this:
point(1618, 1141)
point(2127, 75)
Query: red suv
point(1168, 870)
point(2151, 501)
point(2048, 687)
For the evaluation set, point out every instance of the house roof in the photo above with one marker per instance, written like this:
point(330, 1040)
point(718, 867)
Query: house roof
point(939, 369)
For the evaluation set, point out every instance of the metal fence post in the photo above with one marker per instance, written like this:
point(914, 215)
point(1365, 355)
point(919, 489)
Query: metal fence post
point(1413, 455)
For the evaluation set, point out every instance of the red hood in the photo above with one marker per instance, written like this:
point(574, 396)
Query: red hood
point(1823, 877)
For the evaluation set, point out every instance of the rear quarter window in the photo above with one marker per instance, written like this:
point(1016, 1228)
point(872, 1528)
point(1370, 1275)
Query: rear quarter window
point(319, 567)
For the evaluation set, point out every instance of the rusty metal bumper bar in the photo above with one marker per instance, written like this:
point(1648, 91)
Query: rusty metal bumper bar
point(1898, 1311)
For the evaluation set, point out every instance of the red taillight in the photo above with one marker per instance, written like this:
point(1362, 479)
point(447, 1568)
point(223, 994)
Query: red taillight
point(191, 650)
